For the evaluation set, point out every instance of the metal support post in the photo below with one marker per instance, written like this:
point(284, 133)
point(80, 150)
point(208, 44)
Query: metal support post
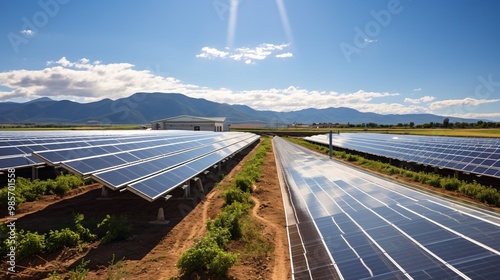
point(330, 145)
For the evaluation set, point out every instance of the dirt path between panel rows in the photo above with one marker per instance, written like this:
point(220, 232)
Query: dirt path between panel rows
point(280, 267)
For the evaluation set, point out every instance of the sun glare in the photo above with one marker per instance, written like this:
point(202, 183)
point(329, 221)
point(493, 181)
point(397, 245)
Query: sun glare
point(233, 15)
point(284, 19)
point(231, 28)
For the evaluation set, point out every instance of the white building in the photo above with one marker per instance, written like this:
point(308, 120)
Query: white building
point(190, 123)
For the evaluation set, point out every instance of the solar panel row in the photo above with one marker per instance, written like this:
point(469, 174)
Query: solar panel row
point(93, 159)
point(118, 177)
point(154, 187)
point(473, 155)
point(377, 229)
point(118, 159)
point(16, 147)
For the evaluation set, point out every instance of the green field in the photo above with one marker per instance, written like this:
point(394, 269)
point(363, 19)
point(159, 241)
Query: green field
point(467, 132)
point(471, 132)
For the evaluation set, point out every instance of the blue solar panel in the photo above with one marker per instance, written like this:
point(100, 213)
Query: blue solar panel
point(378, 229)
point(471, 155)
point(14, 162)
point(151, 163)
point(158, 185)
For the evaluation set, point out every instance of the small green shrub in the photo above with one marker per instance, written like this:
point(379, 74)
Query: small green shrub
point(470, 189)
point(407, 174)
point(362, 161)
point(61, 187)
point(206, 256)
point(219, 234)
point(419, 177)
point(4, 197)
point(85, 233)
point(58, 239)
point(450, 184)
point(352, 157)
point(489, 195)
point(38, 189)
point(30, 243)
point(232, 195)
point(244, 183)
point(229, 221)
point(433, 180)
point(114, 228)
point(222, 262)
point(239, 208)
point(25, 187)
point(4, 235)
point(50, 186)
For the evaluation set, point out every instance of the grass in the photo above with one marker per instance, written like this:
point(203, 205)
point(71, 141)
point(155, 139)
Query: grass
point(117, 269)
point(251, 235)
point(492, 132)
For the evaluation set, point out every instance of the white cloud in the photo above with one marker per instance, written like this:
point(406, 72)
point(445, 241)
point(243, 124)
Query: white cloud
point(369, 41)
point(466, 102)
point(424, 99)
point(84, 80)
point(211, 53)
point(27, 32)
point(293, 98)
point(417, 89)
point(484, 116)
point(247, 55)
point(284, 55)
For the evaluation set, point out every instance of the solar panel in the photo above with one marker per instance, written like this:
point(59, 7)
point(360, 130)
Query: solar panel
point(98, 148)
point(120, 158)
point(472, 155)
point(373, 228)
point(158, 185)
point(16, 162)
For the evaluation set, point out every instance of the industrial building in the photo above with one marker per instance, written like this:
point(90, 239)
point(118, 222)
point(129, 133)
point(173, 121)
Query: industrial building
point(185, 122)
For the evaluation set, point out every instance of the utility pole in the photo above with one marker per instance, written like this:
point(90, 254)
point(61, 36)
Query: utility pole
point(330, 145)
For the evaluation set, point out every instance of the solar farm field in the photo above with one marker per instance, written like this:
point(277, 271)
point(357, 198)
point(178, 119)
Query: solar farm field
point(342, 223)
point(347, 224)
point(147, 163)
point(117, 160)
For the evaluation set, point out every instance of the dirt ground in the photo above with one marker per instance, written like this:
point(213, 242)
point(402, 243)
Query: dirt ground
point(153, 250)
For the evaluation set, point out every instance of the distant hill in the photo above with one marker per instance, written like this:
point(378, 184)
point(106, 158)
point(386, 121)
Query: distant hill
point(145, 107)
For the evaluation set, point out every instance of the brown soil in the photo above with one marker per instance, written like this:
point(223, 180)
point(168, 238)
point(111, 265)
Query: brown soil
point(269, 213)
point(153, 250)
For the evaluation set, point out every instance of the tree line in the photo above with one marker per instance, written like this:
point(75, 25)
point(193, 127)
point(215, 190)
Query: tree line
point(445, 124)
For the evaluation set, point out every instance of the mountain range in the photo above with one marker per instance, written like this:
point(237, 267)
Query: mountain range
point(141, 108)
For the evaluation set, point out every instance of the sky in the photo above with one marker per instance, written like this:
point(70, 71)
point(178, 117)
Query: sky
point(382, 56)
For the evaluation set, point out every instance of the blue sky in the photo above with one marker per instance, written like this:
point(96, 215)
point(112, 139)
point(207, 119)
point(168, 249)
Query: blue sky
point(384, 56)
